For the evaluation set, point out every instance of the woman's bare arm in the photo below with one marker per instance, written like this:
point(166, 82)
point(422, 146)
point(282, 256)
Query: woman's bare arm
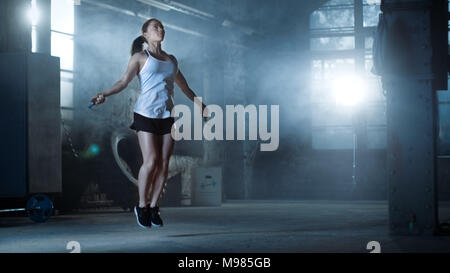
point(182, 83)
point(132, 69)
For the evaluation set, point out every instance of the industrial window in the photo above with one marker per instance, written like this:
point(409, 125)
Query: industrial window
point(341, 38)
point(62, 32)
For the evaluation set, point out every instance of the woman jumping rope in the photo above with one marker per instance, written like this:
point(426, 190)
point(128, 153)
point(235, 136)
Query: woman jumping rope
point(157, 72)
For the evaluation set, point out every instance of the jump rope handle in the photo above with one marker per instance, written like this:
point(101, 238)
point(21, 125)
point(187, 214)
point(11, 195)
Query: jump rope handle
point(92, 103)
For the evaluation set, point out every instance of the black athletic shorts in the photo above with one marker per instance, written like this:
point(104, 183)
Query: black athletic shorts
point(159, 126)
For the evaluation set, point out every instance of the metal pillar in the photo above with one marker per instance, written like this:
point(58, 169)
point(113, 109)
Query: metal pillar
point(29, 108)
point(411, 119)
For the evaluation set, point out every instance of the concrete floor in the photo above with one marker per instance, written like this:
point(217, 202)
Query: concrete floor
point(236, 226)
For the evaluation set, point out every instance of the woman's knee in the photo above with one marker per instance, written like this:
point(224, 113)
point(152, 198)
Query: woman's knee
point(164, 166)
point(150, 164)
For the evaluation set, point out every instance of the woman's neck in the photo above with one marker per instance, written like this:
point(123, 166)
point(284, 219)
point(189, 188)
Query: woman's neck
point(155, 48)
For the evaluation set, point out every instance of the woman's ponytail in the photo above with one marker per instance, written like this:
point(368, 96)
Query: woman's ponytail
point(137, 45)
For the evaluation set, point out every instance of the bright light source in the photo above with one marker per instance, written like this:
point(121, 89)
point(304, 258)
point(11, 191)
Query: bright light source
point(33, 13)
point(348, 90)
point(373, 2)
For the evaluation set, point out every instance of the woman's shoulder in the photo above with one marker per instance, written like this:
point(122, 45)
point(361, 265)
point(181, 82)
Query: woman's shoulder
point(140, 55)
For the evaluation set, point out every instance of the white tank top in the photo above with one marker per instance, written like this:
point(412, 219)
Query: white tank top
point(156, 78)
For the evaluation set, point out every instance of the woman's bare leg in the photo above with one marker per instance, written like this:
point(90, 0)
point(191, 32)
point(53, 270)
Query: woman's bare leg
point(151, 155)
point(163, 168)
point(155, 173)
